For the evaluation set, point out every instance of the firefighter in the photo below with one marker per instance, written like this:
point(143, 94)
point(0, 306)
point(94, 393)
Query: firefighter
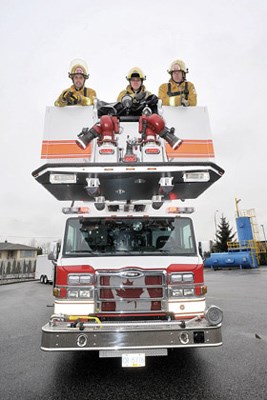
point(77, 93)
point(136, 88)
point(178, 91)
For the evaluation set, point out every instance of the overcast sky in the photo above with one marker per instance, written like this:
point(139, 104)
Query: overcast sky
point(222, 42)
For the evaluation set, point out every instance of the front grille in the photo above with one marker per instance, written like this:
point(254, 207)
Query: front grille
point(131, 291)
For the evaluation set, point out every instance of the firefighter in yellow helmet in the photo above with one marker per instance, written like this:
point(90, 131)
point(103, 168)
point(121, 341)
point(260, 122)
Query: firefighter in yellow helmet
point(178, 91)
point(77, 93)
point(136, 88)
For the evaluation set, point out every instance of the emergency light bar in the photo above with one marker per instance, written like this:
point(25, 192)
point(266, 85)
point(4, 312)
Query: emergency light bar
point(56, 178)
point(196, 176)
point(180, 210)
point(75, 210)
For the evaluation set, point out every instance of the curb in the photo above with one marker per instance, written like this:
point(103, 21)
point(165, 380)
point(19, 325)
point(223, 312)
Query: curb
point(10, 282)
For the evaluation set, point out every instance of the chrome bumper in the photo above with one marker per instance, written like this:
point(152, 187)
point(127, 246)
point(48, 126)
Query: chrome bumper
point(130, 335)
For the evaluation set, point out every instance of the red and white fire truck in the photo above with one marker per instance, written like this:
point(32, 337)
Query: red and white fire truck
point(129, 277)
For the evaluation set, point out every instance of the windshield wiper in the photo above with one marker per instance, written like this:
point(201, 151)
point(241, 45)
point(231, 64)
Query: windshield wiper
point(79, 251)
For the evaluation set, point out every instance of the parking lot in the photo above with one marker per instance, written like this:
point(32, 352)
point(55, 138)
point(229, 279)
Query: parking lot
point(237, 370)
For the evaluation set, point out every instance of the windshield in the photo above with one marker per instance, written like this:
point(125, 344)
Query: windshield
point(120, 236)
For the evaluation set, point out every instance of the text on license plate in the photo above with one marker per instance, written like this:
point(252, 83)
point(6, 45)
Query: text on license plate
point(133, 360)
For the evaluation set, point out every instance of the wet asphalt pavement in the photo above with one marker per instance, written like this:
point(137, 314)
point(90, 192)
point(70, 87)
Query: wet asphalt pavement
point(237, 370)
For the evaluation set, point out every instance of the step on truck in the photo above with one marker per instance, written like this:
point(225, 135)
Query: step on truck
point(129, 278)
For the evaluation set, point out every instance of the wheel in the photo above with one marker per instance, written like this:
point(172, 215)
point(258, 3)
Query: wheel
point(45, 280)
point(41, 279)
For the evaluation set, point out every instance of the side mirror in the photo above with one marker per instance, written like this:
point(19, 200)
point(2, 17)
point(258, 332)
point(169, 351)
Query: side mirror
point(52, 256)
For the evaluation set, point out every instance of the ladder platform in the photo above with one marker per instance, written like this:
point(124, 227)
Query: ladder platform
point(100, 170)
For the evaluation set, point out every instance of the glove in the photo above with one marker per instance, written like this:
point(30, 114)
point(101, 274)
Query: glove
point(71, 98)
point(184, 102)
point(65, 96)
point(74, 99)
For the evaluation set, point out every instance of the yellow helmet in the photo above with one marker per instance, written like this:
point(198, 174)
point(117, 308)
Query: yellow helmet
point(135, 72)
point(178, 65)
point(78, 66)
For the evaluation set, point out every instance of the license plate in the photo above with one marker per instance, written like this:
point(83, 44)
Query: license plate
point(133, 360)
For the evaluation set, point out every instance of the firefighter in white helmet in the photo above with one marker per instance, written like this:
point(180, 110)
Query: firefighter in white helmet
point(136, 88)
point(178, 91)
point(77, 93)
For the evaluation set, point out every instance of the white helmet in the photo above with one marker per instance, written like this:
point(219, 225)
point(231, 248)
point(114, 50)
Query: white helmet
point(178, 65)
point(78, 66)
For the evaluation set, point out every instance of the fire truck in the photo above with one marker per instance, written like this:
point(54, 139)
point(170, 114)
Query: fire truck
point(129, 278)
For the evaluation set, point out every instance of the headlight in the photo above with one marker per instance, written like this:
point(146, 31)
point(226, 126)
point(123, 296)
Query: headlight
point(85, 293)
point(80, 279)
point(86, 279)
point(179, 292)
point(81, 293)
point(176, 292)
point(176, 278)
point(73, 294)
point(188, 277)
point(73, 279)
point(189, 292)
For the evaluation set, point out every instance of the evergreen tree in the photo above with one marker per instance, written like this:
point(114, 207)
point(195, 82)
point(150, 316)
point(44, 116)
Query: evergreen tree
point(39, 251)
point(223, 236)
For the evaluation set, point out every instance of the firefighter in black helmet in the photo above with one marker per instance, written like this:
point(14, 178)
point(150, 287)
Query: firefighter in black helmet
point(135, 88)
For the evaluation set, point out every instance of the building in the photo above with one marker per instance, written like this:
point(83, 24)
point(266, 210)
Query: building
point(17, 261)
